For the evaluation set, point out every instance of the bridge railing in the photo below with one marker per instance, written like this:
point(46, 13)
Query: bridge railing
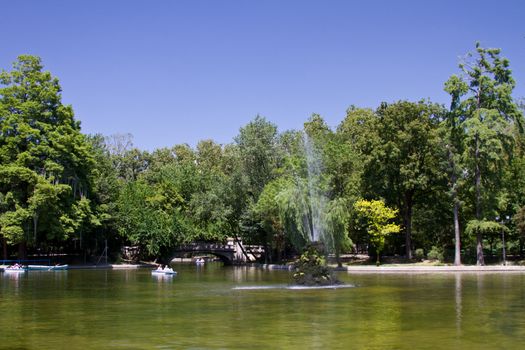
point(205, 246)
point(254, 248)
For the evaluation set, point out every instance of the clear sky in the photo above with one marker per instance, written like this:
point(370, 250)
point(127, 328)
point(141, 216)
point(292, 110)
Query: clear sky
point(180, 71)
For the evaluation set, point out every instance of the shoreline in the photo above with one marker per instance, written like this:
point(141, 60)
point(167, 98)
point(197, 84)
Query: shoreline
point(110, 266)
point(101, 267)
point(393, 269)
point(432, 269)
point(360, 269)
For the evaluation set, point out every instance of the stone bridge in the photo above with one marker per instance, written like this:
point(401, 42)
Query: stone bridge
point(233, 252)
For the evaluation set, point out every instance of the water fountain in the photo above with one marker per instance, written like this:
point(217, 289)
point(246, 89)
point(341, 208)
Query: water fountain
point(317, 199)
point(311, 268)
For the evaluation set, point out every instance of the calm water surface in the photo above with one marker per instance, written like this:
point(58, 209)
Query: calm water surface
point(215, 307)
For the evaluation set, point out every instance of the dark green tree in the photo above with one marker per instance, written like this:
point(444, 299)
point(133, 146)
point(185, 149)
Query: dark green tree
point(404, 163)
point(46, 161)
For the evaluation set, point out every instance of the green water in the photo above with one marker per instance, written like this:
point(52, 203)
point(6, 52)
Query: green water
point(201, 309)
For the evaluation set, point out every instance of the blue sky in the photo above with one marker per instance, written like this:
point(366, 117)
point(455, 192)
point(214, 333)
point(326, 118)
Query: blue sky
point(173, 72)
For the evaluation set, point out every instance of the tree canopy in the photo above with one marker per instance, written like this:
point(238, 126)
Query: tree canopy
point(440, 175)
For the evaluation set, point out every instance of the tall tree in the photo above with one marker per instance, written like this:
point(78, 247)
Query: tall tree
point(257, 143)
point(46, 161)
point(487, 112)
point(106, 188)
point(453, 142)
point(405, 161)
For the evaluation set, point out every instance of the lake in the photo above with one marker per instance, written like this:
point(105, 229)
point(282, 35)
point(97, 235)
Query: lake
point(216, 307)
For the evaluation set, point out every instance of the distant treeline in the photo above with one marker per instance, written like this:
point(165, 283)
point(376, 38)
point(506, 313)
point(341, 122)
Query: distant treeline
point(454, 177)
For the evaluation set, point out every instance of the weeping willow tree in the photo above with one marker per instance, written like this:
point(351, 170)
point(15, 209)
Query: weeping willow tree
point(336, 223)
point(267, 212)
point(295, 212)
point(285, 211)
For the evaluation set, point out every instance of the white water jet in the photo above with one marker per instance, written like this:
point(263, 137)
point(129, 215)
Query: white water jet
point(316, 197)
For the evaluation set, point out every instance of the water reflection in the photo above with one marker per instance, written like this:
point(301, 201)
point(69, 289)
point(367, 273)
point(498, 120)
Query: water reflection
point(458, 300)
point(235, 308)
point(14, 279)
point(162, 277)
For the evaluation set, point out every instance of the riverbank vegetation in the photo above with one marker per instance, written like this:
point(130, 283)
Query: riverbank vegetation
point(452, 178)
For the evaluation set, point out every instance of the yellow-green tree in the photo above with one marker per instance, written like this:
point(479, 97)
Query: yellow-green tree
point(375, 216)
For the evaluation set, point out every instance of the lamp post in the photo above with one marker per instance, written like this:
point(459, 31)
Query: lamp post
point(504, 252)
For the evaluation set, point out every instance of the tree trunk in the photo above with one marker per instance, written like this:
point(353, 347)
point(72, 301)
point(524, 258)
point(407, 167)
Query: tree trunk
point(479, 250)
point(4, 247)
point(479, 239)
point(22, 250)
point(35, 225)
point(408, 224)
point(338, 257)
point(457, 233)
point(279, 254)
point(457, 236)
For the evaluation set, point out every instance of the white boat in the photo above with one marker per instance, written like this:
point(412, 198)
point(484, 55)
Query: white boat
point(47, 268)
point(164, 272)
point(15, 269)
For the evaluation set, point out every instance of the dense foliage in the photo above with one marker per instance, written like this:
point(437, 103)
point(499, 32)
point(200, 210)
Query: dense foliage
point(376, 219)
point(440, 175)
point(311, 269)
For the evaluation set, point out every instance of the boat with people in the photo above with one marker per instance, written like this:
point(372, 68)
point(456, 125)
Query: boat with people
point(163, 271)
point(15, 268)
point(200, 261)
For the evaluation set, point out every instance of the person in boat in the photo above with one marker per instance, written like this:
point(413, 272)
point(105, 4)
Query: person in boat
point(159, 268)
point(167, 269)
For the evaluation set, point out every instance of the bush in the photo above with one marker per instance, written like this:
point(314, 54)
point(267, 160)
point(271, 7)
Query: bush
point(311, 270)
point(436, 253)
point(419, 254)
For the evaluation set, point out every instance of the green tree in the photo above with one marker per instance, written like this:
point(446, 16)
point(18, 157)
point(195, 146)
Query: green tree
point(106, 189)
point(149, 219)
point(257, 142)
point(486, 112)
point(453, 143)
point(405, 161)
point(267, 212)
point(336, 224)
point(209, 206)
point(519, 221)
point(46, 161)
point(376, 217)
point(259, 156)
